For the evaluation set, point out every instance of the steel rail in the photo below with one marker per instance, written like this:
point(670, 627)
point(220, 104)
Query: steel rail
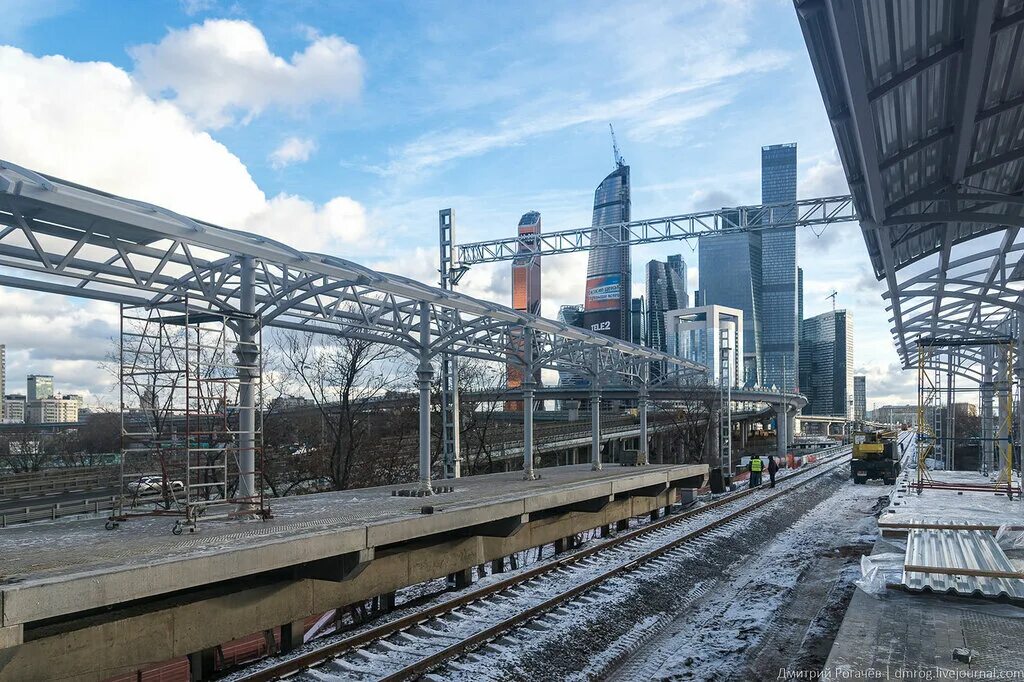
point(434, 660)
point(319, 655)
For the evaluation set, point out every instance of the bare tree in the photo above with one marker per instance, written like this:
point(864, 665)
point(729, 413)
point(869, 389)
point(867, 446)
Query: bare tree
point(344, 376)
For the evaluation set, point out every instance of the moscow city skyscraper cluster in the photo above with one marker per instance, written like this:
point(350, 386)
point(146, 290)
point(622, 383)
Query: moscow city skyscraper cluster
point(755, 272)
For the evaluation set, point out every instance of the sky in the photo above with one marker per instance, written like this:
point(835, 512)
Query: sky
point(344, 127)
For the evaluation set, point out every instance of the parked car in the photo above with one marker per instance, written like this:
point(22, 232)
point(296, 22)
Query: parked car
point(151, 485)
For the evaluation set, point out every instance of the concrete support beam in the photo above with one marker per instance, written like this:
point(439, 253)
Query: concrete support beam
point(501, 528)
point(202, 664)
point(336, 568)
point(11, 635)
point(595, 425)
point(463, 578)
point(292, 634)
point(781, 426)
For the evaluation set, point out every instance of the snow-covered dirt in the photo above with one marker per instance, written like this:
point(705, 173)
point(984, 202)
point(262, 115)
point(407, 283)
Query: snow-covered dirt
point(739, 603)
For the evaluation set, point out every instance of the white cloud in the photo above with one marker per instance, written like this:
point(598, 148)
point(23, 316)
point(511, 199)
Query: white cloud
point(304, 225)
point(92, 124)
point(223, 68)
point(655, 94)
point(826, 178)
point(193, 7)
point(292, 150)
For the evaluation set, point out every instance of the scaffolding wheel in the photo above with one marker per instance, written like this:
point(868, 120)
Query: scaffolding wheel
point(177, 530)
point(111, 525)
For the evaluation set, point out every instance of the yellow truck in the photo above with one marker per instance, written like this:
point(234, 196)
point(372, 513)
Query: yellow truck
point(876, 456)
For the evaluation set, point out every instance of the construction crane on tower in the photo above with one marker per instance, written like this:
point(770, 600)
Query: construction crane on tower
point(619, 161)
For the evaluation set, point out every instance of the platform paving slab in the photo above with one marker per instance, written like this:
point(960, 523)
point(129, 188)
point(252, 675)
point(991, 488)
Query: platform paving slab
point(901, 635)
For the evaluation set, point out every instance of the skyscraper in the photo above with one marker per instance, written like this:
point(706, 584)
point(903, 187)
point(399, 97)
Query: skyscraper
point(860, 396)
point(525, 287)
point(666, 290)
point(526, 266)
point(40, 387)
point(826, 364)
point(779, 299)
point(677, 265)
point(730, 275)
point(606, 307)
point(571, 315)
point(637, 326)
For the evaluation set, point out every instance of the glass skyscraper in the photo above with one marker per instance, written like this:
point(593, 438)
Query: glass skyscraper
point(606, 307)
point(666, 290)
point(860, 396)
point(571, 315)
point(637, 326)
point(826, 364)
point(780, 327)
point(730, 275)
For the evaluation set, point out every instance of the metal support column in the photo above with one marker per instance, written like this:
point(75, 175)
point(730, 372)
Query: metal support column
point(248, 368)
point(642, 456)
point(450, 421)
point(528, 391)
point(949, 427)
point(1020, 385)
point(1005, 386)
point(987, 432)
point(424, 374)
point(595, 412)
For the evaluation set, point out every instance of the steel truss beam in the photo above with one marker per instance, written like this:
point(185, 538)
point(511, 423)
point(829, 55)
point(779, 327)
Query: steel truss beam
point(804, 212)
point(63, 238)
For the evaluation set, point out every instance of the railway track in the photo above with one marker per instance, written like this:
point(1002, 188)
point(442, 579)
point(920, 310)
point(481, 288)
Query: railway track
point(412, 645)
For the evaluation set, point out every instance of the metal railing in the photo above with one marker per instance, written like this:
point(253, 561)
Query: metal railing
point(56, 510)
point(56, 479)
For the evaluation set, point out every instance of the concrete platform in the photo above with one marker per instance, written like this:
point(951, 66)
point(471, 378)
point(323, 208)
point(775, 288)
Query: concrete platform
point(177, 593)
point(969, 509)
point(900, 635)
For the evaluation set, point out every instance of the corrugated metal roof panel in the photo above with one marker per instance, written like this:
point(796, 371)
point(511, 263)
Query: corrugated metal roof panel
point(959, 549)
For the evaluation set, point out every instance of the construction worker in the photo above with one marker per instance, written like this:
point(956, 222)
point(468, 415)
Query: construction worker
point(756, 466)
point(773, 468)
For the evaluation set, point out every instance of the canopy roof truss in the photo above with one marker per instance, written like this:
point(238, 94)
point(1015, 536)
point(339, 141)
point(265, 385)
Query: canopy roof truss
point(63, 238)
point(926, 102)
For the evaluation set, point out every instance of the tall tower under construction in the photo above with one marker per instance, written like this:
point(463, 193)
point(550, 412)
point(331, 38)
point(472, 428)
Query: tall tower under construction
point(606, 306)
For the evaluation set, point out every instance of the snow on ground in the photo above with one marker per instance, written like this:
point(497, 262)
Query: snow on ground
point(732, 622)
point(699, 613)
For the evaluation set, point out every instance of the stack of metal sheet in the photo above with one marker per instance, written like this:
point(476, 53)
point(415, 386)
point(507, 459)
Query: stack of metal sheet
point(988, 571)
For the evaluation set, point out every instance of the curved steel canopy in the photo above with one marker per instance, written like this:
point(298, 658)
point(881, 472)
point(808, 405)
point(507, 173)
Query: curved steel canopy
point(926, 102)
point(59, 237)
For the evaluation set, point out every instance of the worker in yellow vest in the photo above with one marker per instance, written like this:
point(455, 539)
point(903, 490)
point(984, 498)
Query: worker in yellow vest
point(756, 467)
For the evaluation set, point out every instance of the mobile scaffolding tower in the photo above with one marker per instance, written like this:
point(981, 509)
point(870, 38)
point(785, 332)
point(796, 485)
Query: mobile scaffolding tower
point(937, 407)
point(190, 446)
